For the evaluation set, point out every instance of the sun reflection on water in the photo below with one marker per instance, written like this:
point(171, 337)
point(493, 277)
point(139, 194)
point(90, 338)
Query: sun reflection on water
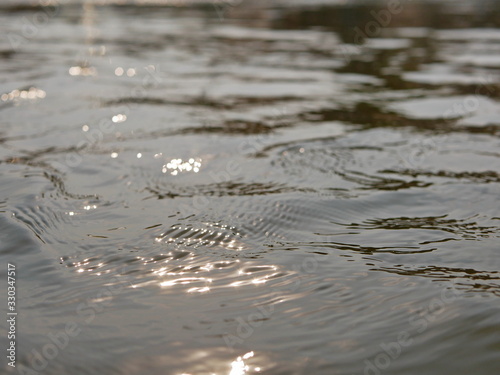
point(238, 367)
point(119, 118)
point(82, 71)
point(176, 166)
point(31, 93)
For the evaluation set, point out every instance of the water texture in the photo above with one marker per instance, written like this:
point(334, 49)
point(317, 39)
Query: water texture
point(251, 187)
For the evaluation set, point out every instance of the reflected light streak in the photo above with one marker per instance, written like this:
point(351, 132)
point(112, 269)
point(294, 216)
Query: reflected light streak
point(199, 290)
point(31, 93)
point(183, 281)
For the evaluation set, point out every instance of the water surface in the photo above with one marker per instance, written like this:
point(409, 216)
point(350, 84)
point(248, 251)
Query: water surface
point(252, 187)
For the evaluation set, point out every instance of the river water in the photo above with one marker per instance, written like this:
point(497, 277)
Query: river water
point(251, 187)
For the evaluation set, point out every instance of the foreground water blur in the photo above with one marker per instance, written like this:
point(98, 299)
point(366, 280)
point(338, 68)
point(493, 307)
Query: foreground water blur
point(243, 187)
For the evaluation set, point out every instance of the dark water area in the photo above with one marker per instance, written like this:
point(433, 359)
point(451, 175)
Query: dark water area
point(250, 187)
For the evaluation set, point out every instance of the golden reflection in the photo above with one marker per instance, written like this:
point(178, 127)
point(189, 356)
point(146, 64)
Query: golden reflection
point(199, 290)
point(82, 71)
point(259, 281)
point(207, 236)
point(176, 166)
point(162, 271)
point(238, 367)
point(119, 118)
point(31, 93)
point(233, 244)
point(185, 280)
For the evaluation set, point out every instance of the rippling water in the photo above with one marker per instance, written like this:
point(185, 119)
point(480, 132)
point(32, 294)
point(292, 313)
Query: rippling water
point(244, 187)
